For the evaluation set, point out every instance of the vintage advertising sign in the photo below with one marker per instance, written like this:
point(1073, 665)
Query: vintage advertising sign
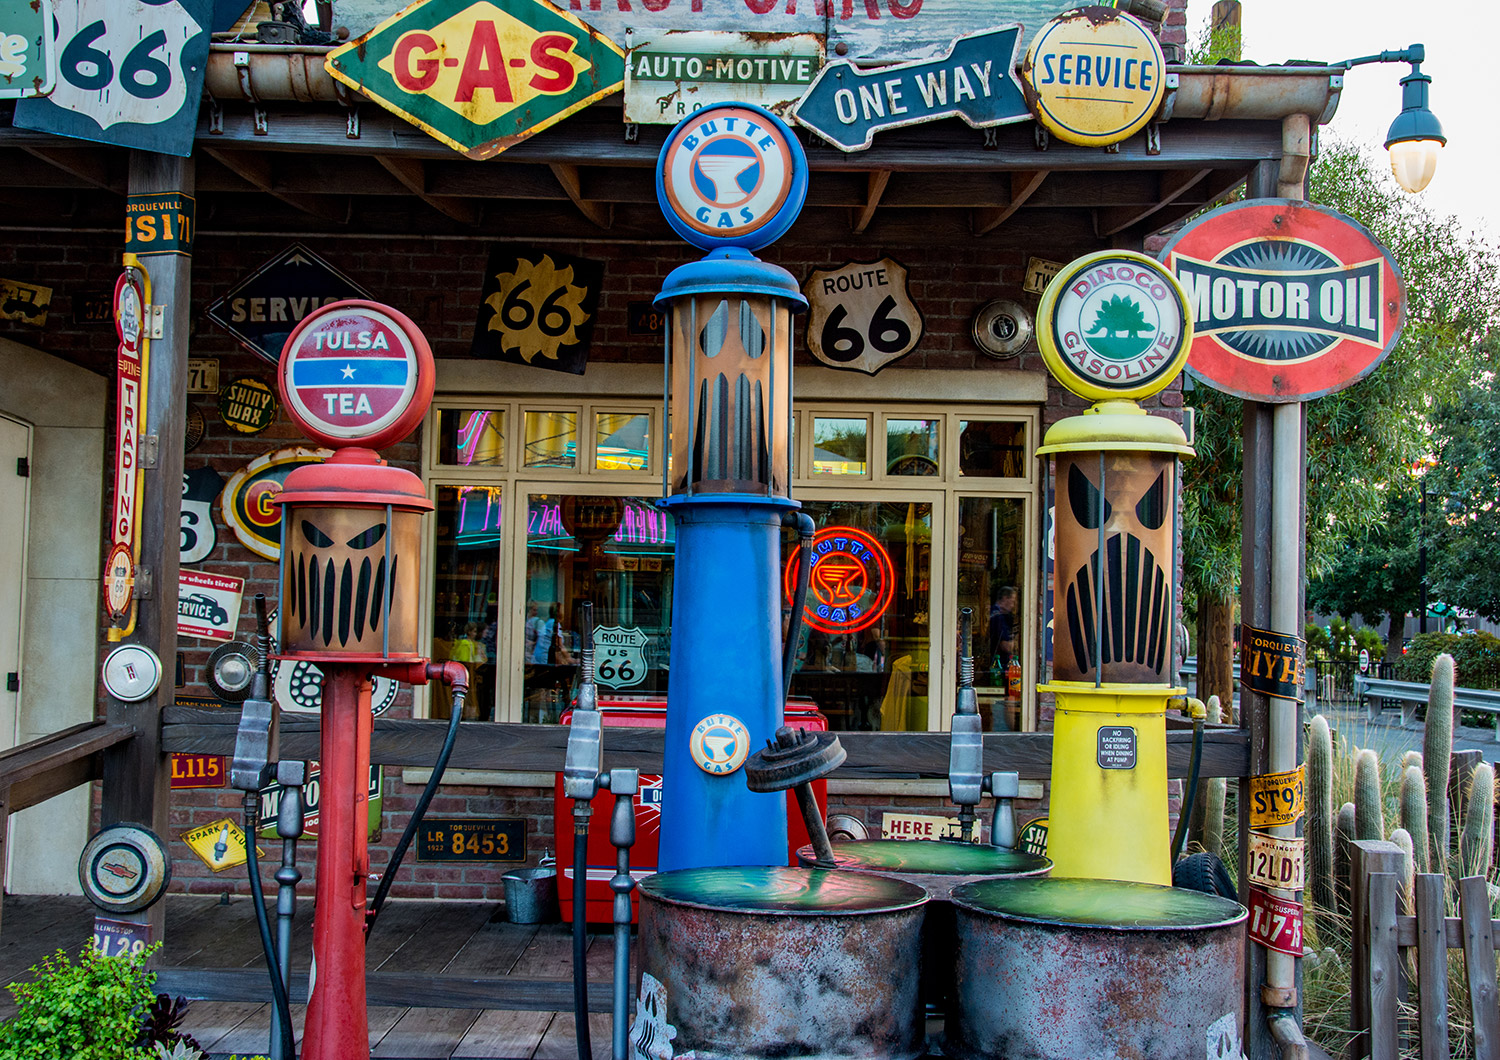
point(1114, 325)
point(1039, 273)
point(297, 686)
point(975, 80)
point(719, 743)
point(203, 375)
point(130, 72)
point(731, 175)
point(119, 567)
point(263, 308)
point(1094, 76)
point(538, 308)
point(472, 839)
point(1275, 923)
point(1033, 838)
point(247, 405)
point(357, 372)
point(25, 303)
point(1290, 301)
point(28, 63)
point(861, 315)
point(1277, 799)
point(918, 826)
point(160, 224)
point(208, 605)
point(1276, 861)
point(245, 503)
point(198, 771)
point(312, 788)
point(200, 487)
point(220, 844)
point(851, 584)
point(622, 656)
point(675, 73)
point(481, 76)
point(1273, 664)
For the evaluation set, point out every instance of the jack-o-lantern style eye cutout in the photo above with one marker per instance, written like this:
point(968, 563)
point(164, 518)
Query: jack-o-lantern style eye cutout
point(1151, 509)
point(336, 594)
point(315, 537)
point(367, 538)
point(1083, 497)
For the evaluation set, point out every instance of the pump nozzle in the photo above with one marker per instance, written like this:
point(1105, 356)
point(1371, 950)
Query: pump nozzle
point(585, 754)
point(966, 740)
point(256, 744)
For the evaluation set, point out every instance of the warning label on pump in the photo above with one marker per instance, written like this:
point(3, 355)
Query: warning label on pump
point(1116, 747)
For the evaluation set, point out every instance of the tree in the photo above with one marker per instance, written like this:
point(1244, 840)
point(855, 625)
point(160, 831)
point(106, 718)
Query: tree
point(1377, 576)
point(1463, 495)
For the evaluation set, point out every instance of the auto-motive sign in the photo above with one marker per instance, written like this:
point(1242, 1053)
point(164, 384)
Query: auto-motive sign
point(678, 72)
point(481, 77)
point(1094, 76)
point(1290, 301)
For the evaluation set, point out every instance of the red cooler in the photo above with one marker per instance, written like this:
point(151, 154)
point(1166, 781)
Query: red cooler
point(649, 713)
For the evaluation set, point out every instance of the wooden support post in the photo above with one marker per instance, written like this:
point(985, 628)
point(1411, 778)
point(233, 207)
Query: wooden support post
point(136, 782)
point(1368, 857)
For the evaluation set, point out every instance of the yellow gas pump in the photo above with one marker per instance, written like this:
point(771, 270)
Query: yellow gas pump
point(1113, 327)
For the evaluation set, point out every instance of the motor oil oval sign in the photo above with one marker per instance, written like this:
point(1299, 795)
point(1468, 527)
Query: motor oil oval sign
point(483, 76)
point(1290, 301)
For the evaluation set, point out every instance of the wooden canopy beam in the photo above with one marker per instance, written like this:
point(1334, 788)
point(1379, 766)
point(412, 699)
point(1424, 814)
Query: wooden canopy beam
point(602, 214)
point(83, 163)
point(875, 188)
point(412, 173)
point(1174, 185)
point(256, 170)
point(1022, 186)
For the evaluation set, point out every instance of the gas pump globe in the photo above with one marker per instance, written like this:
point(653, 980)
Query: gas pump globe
point(1114, 327)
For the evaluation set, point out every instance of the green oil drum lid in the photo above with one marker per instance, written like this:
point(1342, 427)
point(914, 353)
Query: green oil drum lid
point(783, 891)
point(1111, 905)
point(933, 857)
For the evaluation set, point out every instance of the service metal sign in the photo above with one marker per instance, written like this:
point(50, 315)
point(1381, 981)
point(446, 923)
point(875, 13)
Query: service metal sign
point(263, 308)
point(1290, 301)
point(28, 64)
point(676, 73)
point(481, 77)
point(130, 72)
point(1094, 76)
point(208, 605)
point(974, 80)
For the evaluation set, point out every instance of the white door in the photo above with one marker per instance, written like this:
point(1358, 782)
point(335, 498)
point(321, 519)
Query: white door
point(15, 451)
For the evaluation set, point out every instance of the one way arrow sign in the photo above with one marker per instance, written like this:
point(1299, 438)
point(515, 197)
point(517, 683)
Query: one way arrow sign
point(975, 81)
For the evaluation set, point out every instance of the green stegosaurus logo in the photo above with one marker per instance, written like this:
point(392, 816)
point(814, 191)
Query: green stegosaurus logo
point(1119, 330)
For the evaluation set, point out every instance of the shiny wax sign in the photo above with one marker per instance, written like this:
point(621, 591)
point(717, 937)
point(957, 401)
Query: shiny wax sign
point(1094, 76)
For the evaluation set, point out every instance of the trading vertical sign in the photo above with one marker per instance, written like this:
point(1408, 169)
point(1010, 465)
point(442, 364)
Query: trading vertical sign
point(130, 385)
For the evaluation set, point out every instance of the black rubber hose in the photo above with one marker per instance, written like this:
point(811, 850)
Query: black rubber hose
point(581, 941)
point(1191, 794)
point(389, 876)
point(279, 1001)
point(806, 529)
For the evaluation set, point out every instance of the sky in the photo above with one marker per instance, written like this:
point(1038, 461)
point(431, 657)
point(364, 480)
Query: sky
point(1460, 40)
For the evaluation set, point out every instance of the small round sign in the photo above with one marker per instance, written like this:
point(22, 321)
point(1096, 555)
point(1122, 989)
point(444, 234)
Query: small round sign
point(731, 175)
point(356, 373)
point(720, 743)
point(131, 672)
point(1114, 325)
point(124, 868)
point(1094, 76)
point(247, 405)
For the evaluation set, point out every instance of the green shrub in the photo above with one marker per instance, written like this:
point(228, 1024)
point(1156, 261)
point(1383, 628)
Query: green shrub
point(85, 1011)
point(1476, 656)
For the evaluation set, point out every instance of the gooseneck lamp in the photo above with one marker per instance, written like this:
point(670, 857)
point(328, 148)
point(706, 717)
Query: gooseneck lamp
point(1416, 134)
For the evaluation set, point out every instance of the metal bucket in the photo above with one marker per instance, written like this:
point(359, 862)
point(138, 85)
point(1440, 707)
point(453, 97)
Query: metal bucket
point(754, 963)
point(1056, 969)
point(531, 895)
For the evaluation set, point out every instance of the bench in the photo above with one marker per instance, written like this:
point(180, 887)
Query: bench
point(1373, 691)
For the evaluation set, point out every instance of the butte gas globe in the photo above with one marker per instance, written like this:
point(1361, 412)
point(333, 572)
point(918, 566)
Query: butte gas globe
point(731, 175)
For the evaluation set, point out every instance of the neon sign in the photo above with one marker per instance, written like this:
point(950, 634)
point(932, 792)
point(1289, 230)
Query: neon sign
point(852, 581)
point(479, 521)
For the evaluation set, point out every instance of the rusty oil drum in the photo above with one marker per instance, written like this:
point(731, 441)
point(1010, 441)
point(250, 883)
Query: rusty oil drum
point(760, 962)
point(932, 864)
point(1056, 969)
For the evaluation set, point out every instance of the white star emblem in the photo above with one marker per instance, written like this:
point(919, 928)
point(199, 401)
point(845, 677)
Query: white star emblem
point(348, 371)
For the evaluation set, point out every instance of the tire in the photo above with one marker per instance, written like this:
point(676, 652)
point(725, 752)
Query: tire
point(1204, 872)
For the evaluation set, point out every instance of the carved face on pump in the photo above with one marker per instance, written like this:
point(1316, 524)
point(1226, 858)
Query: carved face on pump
point(1115, 563)
point(350, 581)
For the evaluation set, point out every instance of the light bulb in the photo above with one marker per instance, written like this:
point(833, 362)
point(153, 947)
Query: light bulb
point(1413, 162)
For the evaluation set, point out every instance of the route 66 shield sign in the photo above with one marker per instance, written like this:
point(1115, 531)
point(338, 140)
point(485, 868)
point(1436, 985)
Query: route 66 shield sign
point(621, 655)
point(861, 315)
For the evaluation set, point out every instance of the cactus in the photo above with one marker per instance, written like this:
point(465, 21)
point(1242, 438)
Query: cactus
point(1437, 749)
point(1343, 835)
point(1320, 812)
point(1369, 815)
point(1402, 838)
point(1409, 759)
point(1414, 814)
point(1476, 846)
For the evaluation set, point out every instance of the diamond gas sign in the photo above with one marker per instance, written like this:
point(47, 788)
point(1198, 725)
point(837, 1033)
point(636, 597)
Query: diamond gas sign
point(481, 77)
point(1290, 301)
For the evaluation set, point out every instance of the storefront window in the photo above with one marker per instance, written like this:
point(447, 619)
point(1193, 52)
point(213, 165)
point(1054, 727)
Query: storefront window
point(911, 447)
point(471, 437)
point(840, 445)
point(991, 449)
point(622, 441)
point(465, 598)
point(551, 439)
point(617, 553)
point(863, 657)
point(991, 539)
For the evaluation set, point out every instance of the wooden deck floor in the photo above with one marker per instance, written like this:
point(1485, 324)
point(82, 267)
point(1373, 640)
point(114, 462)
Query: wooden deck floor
point(453, 938)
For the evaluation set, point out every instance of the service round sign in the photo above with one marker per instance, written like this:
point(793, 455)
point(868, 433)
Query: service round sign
point(356, 373)
point(1114, 325)
point(852, 581)
point(1094, 76)
point(731, 175)
point(1290, 301)
point(720, 743)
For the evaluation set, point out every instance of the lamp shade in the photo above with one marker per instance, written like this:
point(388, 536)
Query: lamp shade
point(1415, 136)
